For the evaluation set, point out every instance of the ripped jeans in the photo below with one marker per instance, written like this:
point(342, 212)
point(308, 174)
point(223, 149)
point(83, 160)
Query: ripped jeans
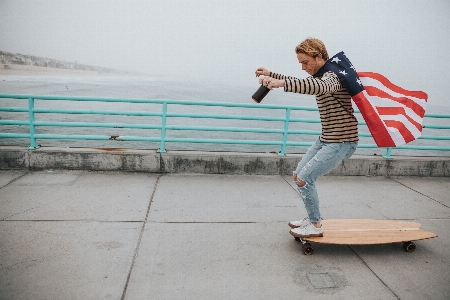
point(320, 159)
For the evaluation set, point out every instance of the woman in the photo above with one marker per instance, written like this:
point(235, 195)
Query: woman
point(339, 137)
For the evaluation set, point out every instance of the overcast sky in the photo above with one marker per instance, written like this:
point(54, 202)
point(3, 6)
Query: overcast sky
point(408, 41)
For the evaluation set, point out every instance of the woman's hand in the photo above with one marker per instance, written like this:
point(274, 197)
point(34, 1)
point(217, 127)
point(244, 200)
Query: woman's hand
point(270, 82)
point(262, 71)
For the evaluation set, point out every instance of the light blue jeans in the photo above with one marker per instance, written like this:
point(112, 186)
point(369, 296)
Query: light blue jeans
point(320, 159)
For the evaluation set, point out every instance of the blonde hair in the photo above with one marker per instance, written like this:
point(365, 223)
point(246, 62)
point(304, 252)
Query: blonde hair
point(312, 47)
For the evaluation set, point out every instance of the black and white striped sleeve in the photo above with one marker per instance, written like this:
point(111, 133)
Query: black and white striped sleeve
point(329, 83)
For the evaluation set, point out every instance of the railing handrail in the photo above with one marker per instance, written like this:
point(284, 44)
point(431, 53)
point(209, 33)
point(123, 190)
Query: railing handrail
point(164, 114)
point(180, 102)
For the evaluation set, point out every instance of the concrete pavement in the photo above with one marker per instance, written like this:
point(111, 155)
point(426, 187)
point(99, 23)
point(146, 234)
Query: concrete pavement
point(112, 235)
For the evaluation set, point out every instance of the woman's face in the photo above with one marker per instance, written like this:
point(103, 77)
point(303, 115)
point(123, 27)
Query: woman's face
point(310, 64)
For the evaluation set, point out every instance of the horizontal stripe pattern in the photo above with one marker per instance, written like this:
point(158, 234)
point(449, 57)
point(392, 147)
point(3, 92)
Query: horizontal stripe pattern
point(333, 101)
point(400, 112)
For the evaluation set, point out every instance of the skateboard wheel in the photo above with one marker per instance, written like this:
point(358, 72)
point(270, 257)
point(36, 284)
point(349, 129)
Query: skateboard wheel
point(297, 239)
point(409, 246)
point(307, 249)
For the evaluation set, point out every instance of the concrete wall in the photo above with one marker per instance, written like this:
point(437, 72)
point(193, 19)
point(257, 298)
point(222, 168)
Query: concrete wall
point(131, 160)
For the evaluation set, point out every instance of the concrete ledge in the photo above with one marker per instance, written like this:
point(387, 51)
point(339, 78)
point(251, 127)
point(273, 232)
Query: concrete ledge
point(118, 159)
point(79, 159)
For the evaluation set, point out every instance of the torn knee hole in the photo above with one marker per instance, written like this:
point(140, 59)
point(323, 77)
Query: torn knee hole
point(300, 183)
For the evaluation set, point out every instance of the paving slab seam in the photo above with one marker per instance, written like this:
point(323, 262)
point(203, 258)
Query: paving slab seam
point(287, 181)
point(136, 250)
point(373, 272)
point(418, 219)
point(27, 210)
point(69, 220)
point(420, 193)
point(214, 222)
point(15, 179)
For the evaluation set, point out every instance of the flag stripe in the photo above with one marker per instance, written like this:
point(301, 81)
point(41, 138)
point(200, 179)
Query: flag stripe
point(396, 136)
point(390, 85)
point(376, 126)
point(411, 127)
point(407, 136)
point(381, 102)
point(373, 91)
point(398, 111)
point(368, 81)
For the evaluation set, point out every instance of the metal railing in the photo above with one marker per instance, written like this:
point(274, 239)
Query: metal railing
point(160, 127)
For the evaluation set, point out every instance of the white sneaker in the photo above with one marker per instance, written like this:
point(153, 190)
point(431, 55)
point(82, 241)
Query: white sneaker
point(299, 224)
point(309, 231)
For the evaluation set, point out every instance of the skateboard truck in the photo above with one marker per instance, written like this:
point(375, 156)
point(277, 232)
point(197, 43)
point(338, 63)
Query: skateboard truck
point(307, 248)
point(409, 246)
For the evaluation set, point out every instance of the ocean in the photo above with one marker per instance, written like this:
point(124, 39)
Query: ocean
point(128, 86)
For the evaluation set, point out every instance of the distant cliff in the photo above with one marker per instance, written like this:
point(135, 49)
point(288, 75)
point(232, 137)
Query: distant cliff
point(7, 58)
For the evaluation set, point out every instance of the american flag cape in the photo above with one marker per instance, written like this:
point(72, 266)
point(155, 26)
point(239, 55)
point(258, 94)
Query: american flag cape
point(393, 115)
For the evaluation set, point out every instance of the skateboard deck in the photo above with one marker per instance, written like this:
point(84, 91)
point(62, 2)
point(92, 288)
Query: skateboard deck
point(367, 232)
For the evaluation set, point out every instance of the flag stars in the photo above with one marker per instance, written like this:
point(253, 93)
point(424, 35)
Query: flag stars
point(336, 60)
point(343, 72)
point(359, 81)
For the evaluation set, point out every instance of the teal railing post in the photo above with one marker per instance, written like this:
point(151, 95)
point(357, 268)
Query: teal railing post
point(162, 145)
point(285, 133)
point(388, 153)
point(32, 128)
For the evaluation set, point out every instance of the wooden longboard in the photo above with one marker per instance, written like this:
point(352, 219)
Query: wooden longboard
point(367, 232)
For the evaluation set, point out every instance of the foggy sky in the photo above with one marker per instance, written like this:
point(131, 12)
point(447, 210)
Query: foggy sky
point(406, 40)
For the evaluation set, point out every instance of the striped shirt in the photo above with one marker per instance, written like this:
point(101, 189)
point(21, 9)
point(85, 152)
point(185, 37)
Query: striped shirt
point(339, 123)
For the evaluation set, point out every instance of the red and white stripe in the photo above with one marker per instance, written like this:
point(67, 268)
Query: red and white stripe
point(394, 115)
